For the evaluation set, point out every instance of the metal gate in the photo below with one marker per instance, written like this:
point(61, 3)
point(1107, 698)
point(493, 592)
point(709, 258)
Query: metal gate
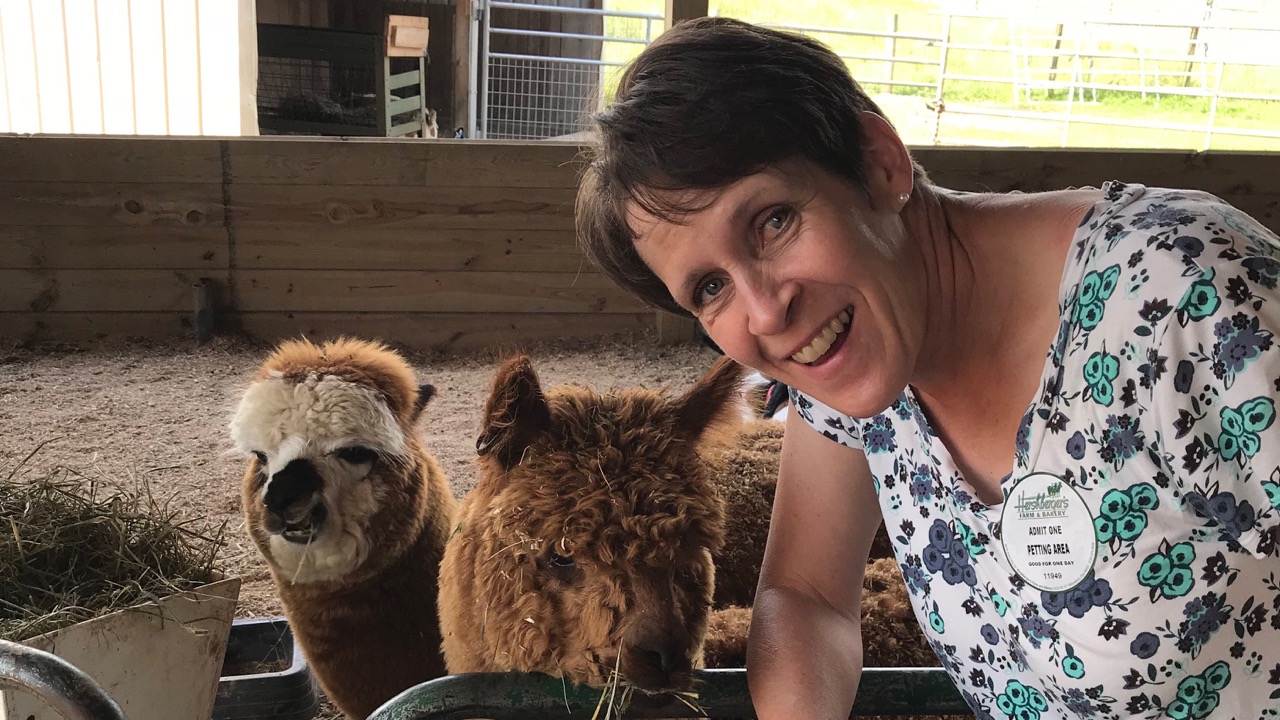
point(545, 65)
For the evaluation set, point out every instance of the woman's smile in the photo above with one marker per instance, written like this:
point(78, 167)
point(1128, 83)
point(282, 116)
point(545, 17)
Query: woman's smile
point(827, 341)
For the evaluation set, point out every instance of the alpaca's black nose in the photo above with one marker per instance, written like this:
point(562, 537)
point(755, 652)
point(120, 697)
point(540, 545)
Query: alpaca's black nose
point(293, 501)
point(655, 661)
point(658, 659)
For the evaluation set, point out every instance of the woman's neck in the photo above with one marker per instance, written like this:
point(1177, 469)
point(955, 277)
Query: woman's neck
point(993, 269)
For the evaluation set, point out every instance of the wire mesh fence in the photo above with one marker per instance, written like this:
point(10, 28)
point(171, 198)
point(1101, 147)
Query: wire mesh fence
point(546, 68)
point(317, 91)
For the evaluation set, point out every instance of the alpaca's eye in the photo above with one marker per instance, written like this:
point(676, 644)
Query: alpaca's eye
point(261, 456)
point(560, 561)
point(356, 454)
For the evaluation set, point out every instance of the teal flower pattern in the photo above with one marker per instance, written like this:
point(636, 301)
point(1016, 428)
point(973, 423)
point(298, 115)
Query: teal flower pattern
point(1100, 371)
point(1095, 289)
point(1169, 571)
point(1156, 407)
point(1021, 702)
point(1201, 299)
point(1199, 695)
point(1241, 425)
point(1123, 513)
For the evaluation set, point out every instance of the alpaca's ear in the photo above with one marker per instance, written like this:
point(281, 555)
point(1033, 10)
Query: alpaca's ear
point(426, 391)
point(515, 413)
point(714, 403)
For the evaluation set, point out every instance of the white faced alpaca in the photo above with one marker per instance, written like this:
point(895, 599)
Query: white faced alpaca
point(350, 512)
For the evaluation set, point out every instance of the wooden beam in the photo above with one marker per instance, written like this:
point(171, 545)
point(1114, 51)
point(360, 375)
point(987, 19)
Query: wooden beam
point(361, 209)
point(426, 292)
point(117, 246)
point(417, 292)
point(247, 33)
point(678, 10)
point(464, 71)
point(311, 161)
point(442, 332)
point(445, 332)
point(438, 249)
point(674, 329)
point(132, 290)
point(103, 204)
point(32, 327)
point(79, 159)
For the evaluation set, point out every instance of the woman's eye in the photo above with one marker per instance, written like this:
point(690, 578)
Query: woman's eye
point(356, 454)
point(777, 220)
point(708, 289)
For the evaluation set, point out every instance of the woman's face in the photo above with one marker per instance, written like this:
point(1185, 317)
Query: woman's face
point(794, 272)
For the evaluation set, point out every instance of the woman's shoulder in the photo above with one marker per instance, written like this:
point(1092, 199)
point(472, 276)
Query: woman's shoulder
point(1147, 259)
point(1138, 233)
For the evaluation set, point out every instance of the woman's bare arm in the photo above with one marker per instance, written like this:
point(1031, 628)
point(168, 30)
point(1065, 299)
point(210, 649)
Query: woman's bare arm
point(805, 648)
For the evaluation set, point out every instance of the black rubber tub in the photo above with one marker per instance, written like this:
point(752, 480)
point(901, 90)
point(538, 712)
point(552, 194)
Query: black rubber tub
point(264, 675)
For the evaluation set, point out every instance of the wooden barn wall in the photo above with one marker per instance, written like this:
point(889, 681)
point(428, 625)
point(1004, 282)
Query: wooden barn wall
point(449, 244)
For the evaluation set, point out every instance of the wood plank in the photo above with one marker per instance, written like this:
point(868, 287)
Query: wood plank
point(674, 329)
point(364, 209)
point(461, 69)
point(412, 249)
point(113, 246)
point(53, 291)
point(446, 332)
point(1031, 169)
point(404, 161)
point(24, 328)
point(443, 332)
point(412, 292)
point(678, 10)
point(109, 159)
point(99, 204)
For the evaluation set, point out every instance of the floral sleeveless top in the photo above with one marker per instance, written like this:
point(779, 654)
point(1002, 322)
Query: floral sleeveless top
point(1132, 569)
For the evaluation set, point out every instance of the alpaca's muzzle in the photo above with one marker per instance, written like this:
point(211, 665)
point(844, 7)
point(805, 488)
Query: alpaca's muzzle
point(294, 503)
point(657, 661)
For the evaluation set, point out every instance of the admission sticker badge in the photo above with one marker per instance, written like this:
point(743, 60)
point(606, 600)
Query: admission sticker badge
point(1048, 534)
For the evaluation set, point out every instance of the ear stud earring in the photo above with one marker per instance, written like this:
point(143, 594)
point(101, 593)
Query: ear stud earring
point(903, 198)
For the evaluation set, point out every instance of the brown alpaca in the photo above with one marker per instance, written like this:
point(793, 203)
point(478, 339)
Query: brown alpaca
point(587, 542)
point(747, 478)
point(350, 512)
point(891, 636)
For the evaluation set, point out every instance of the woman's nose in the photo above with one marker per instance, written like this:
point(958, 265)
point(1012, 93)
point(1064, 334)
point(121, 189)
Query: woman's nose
point(768, 305)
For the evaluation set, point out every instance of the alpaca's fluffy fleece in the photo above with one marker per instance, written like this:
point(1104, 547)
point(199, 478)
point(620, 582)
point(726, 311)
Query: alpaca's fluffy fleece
point(747, 478)
point(587, 542)
point(350, 512)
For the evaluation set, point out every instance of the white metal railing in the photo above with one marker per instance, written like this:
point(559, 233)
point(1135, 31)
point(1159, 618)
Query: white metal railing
point(1078, 75)
point(534, 95)
point(1074, 61)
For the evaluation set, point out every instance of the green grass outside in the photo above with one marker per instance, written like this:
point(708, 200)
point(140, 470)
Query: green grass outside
point(919, 17)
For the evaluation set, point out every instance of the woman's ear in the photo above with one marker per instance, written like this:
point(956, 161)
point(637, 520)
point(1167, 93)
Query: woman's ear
point(890, 172)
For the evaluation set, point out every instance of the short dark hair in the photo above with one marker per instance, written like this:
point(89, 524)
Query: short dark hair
point(708, 103)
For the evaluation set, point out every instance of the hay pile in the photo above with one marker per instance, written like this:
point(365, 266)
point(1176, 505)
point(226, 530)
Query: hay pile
point(72, 549)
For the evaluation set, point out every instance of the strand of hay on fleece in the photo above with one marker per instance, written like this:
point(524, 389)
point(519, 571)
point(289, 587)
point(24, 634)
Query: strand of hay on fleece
point(74, 548)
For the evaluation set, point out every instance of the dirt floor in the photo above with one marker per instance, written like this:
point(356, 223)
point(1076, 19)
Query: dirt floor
point(124, 411)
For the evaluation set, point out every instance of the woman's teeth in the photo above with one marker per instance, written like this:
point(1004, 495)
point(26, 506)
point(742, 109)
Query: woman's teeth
point(820, 344)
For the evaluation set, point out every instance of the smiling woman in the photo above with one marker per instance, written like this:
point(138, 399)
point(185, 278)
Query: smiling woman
point(955, 358)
